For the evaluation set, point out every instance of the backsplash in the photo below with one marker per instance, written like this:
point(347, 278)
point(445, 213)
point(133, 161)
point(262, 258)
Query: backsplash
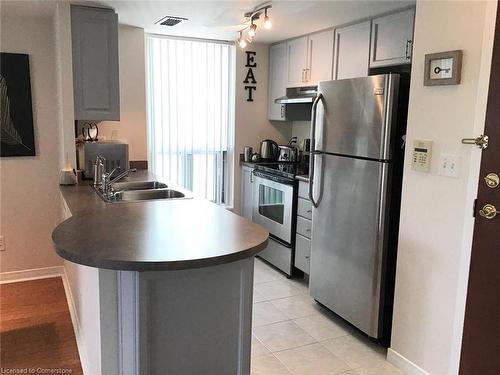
point(301, 129)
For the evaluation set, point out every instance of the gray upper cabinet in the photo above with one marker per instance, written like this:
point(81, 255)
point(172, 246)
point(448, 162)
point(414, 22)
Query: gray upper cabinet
point(297, 62)
point(320, 57)
point(94, 33)
point(277, 81)
point(392, 39)
point(352, 51)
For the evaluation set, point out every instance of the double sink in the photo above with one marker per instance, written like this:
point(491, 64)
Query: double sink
point(135, 191)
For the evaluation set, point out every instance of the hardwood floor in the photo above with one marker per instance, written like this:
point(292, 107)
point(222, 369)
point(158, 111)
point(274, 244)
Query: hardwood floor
point(35, 327)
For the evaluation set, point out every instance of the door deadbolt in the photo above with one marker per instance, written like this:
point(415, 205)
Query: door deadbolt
point(481, 141)
point(492, 180)
point(488, 211)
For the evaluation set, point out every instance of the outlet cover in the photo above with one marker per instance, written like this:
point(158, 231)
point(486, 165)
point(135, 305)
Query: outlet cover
point(2, 244)
point(449, 165)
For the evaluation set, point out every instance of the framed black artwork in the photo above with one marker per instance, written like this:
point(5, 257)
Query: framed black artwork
point(16, 115)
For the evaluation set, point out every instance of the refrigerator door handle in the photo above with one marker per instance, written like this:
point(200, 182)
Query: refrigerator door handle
point(313, 150)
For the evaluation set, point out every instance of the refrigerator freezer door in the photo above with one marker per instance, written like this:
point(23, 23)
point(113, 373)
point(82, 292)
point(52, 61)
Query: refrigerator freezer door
point(355, 116)
point(349, 238)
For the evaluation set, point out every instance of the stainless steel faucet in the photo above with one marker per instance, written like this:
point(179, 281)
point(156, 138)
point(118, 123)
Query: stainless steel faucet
point(107, 182)
point(99, 169)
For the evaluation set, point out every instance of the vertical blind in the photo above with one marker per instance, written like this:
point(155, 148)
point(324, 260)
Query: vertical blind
point(191, 114)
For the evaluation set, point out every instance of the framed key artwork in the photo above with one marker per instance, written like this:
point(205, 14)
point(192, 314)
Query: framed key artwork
point(443, 68)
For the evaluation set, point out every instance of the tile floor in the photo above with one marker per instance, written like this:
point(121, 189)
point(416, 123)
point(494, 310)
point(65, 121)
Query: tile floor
point(292, 334)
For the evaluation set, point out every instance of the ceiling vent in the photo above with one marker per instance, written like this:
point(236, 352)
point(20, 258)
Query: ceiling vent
point(170, 21)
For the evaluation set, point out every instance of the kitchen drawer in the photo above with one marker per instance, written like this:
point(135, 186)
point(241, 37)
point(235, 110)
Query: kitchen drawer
point(302, 253)
point(304, 227)
point(304, 208)
point(304, 189)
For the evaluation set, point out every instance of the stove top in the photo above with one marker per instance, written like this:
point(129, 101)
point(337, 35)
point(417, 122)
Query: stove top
point(289, 170)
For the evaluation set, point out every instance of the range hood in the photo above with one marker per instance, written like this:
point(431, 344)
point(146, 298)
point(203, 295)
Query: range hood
point(298, 95)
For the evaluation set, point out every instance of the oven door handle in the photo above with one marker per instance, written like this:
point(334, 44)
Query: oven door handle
point(313, 151)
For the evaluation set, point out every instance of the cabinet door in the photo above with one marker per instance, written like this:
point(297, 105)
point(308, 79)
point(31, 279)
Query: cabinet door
point(392, 39)
point(302, 253)
point(320, 57)
point(246, 192)
point(278, 68)
point(352, 51)
point(297, 62)
point(94, 34)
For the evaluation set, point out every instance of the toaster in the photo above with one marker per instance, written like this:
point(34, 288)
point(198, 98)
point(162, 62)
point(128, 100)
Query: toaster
point(115, 153)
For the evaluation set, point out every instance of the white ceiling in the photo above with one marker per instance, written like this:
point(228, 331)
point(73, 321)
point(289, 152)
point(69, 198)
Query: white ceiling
point(221, 19)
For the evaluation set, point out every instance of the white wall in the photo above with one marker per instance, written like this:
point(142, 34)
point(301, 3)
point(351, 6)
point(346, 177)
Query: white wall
point(132, 125)
point(30, 204)
point(251, 124)
point(436, 222)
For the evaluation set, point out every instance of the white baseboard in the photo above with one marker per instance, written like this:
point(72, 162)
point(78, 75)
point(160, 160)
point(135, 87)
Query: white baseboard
point(404, 364)
point(76, 324)
point(33, 274)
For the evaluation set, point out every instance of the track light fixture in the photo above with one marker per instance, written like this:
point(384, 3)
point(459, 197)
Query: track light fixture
point(267, 21)
point(251, 29)
point(241, 41)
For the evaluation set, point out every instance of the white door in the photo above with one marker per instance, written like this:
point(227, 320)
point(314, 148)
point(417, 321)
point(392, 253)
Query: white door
point(352, 51)
point(392, 39)
point(247, 192)
point(278, 68)
point(320, 66)
point(297, 62)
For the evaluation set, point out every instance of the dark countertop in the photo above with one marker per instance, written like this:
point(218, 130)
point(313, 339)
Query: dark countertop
point(152, 235)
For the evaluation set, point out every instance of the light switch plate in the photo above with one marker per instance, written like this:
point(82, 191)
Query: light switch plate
point(421, 156)
point(449, 165)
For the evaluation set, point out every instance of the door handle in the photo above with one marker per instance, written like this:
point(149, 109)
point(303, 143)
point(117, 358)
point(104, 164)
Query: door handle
point(481, 141)
point(488, 211)
point(408, 49)
point(312, 153)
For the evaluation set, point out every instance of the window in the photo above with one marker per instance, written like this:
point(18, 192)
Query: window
point(191, 114)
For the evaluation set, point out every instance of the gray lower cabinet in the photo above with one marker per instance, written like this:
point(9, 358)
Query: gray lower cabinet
point(302, 253)
point(94, 35)
point(392, 39)
point(247, 192)
point(304, 228)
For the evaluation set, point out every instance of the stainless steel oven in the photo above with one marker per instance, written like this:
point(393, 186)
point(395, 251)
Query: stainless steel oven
point(273, 208)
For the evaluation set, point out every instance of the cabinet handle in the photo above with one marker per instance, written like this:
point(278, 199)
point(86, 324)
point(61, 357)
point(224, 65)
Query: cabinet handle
point(408, 49)
point(282, 111)
point(309, 211)
point(307, 256)
point(302, 77)
point(308, 75)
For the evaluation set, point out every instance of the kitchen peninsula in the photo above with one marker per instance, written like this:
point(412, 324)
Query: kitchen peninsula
point(174, 280)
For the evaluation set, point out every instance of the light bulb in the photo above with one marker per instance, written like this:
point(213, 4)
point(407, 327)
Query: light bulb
point(267, 21)
point(251, 30)
point(242, 42)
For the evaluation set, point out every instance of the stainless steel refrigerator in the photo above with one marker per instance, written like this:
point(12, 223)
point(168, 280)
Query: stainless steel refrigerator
point(355, 187)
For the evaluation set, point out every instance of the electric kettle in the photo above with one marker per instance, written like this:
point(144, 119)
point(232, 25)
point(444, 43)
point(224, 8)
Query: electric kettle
point(269, 150)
